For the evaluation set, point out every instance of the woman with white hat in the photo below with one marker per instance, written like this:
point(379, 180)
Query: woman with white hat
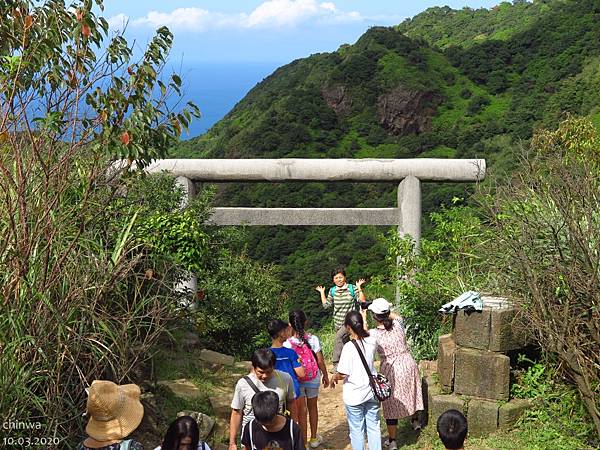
point(115, 412)
point(398, 365)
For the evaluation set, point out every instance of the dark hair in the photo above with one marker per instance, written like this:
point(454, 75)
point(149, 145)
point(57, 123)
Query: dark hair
point(182, 427)
point(337, 270)
point(276, 326)
point(384, 319)
point(452, 428)
point(355, 321)
point(263, 358)
point(265, 405)
point(297, 321)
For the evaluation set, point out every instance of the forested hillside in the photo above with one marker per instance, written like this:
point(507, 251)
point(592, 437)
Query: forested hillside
point(449, 84)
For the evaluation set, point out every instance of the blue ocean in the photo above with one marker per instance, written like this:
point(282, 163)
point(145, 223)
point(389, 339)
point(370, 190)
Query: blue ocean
point(217, 87)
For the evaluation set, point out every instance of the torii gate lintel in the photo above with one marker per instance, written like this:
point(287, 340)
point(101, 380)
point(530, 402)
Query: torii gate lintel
point(408, 173)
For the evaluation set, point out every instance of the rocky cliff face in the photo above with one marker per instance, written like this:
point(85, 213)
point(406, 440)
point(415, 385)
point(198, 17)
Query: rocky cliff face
point(402, 111)
point(337, 99)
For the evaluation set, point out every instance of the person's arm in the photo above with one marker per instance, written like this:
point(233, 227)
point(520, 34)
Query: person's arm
point(322, 368)
point(234, 424)
point(290, 395)
point(293, 408)
point(363, 313)
point(300, 371)
point(327, 301)
point(361, 294)
point(394, 316)
point(338, 376)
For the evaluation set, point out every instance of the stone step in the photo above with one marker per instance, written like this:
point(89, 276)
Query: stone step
point(182, 388)
point(483, 416)
point(482, 374)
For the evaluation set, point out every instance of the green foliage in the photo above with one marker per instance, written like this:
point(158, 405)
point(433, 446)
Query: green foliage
point(124, 118)
point(467, 27)
point(240, 297)
point(450, 262)
point(80, 299)
point(558, 418)
point(179, 235)
point(476, 104)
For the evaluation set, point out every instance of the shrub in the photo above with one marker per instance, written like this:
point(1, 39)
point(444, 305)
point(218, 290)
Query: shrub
point(558, 417)
point(450, 262)
point(548, 226)
point(240, 297)
point(80, 298)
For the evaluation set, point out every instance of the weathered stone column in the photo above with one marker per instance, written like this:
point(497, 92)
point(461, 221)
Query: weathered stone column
point(409, 214)
point(409, 209)
point(189, 285)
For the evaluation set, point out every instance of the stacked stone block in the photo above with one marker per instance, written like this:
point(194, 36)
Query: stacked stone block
point(474, 371)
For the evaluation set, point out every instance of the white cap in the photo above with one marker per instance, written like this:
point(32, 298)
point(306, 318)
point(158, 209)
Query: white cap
point(380, 306)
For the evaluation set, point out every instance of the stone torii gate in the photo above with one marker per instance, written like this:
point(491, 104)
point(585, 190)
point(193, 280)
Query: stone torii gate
point(409, 173)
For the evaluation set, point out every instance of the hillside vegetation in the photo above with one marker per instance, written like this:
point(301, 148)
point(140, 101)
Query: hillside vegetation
point(446, 83)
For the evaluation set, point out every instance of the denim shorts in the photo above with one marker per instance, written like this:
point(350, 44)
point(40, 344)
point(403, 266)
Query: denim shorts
point(310, 389)
point(308, 392)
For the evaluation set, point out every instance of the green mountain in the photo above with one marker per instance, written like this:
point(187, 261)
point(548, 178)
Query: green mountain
point(446, 83)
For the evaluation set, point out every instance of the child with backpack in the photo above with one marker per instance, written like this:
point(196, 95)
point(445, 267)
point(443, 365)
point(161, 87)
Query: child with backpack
point(269, 430)
point(286, 359)
point(308, 348)
point(344, 297)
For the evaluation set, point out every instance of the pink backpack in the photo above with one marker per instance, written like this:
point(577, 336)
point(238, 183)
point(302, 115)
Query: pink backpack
point(308, 359)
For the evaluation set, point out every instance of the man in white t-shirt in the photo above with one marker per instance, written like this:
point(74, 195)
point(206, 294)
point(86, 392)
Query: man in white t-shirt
point(262, 377)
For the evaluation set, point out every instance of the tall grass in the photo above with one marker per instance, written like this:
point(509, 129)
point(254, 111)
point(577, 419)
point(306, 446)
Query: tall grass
point(77, 302)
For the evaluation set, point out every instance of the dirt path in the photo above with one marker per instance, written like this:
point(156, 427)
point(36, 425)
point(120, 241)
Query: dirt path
point(332, 417)
point(333, 425)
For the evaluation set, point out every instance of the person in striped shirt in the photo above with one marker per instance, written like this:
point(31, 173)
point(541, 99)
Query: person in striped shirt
point(343, 297)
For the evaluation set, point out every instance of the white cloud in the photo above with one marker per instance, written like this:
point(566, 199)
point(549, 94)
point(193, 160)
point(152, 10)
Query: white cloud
point(280, 13)
point(269, 14)
point(118, 22)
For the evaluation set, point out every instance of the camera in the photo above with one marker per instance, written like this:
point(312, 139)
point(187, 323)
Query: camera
point(365, 305)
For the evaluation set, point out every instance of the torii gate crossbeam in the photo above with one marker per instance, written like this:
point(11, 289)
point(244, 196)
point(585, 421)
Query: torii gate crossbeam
point(409, 173)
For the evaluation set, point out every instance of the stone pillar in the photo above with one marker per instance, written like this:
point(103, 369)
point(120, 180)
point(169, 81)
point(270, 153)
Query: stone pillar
point(189, 190)
point(473, 368)
point(409, 213)
point(409, 209)
point(189, 285)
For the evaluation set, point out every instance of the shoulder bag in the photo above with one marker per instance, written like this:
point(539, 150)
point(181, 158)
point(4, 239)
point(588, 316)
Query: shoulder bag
point(379, 383)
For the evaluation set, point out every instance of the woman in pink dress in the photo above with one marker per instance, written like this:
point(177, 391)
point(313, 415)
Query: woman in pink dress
point(398, 365)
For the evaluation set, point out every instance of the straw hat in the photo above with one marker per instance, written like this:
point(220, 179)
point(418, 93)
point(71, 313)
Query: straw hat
point(115, 411)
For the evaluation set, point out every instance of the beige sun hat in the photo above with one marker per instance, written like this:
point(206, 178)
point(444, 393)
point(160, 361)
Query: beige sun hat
point(115, 411)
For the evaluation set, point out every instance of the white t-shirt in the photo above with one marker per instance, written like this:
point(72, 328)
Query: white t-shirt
point(357, 389)
point(280, 382)
point(315, 345)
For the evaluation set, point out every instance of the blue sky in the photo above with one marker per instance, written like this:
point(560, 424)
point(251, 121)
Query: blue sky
point(273, 31)
point(223, 48)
